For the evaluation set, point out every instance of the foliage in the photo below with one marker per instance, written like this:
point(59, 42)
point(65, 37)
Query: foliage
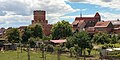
point(82, 39)
point(13, 35)
point(32, 42)
point(114, 39)
point(70, 42)
point(47, 37)
point(32, 31)
point(72, 51)
point(61, 30)
point(26, 35)
point(50, 48)
point(37, 31)
point(101, 38)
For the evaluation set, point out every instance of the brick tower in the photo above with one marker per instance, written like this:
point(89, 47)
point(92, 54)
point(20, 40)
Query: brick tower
point(40, 18)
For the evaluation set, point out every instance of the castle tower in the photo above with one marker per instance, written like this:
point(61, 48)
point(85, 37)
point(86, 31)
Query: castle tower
point(39, 17)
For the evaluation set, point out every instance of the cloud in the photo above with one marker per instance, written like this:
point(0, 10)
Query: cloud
point(103, 3)
point(77, 0)
point(109, 16)
point(106, 0)
point(20, 11)
point(14, 20)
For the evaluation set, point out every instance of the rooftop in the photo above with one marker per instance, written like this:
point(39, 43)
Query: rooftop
point(102, 24)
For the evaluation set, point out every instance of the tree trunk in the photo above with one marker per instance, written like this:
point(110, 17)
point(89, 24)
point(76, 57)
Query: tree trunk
point(77, 57)
point(58, 55)
point(20, 48)
point(28, 50)
point(84, 55)
point(80, 54)
point(71, 55)
point(43, 54)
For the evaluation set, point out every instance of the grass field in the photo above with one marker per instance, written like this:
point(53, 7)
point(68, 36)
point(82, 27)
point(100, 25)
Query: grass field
point(15, 55)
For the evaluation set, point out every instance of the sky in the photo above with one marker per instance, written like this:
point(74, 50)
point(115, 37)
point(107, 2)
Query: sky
point(15, 13)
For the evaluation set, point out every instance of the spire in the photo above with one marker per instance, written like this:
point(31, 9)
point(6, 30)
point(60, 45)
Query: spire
point(97, 15)
point(80, 13)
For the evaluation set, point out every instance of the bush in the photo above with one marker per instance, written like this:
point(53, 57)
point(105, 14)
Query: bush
point(50, 48)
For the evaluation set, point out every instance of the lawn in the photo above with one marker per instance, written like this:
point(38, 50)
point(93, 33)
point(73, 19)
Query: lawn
point(14, 55)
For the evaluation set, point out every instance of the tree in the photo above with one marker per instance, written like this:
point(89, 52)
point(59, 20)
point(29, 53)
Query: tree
point(42, 47)
point(72, 51)
point(80, 39)
point(70, 42)
point(26, 35)
point(114, 39)
point(61, 30)
point(58, 49)
point(101, 38)
point(37, 31)
point(32, 31)
point(13, 35)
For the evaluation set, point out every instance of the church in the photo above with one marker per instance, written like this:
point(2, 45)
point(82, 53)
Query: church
point(90, 24)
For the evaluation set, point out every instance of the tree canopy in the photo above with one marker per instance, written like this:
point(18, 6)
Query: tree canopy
point(101, 38)
point(13, 35)
point(61, 30)
point(32, 31)
point(37, 31)
point(81, 39)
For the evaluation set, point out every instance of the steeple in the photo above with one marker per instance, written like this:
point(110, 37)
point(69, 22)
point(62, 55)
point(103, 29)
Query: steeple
point(80, 13)
point(97, 15)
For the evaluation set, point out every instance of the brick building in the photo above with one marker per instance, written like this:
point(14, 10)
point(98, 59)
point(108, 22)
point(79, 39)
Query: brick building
point(81, 23)
point(40, 18)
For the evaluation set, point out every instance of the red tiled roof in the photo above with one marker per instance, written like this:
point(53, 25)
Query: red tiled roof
point(81, 23)
point(102, 24)
point(75, 22)
point(58, 41)
point(85, 18)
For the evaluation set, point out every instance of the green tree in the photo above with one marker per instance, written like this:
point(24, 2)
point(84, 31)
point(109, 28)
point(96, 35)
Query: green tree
point(72, 51)
point(101, 38)
point(32, 31)
point(81, 39)
point(58, 49)
point(30, 35)
point(61, 30)
point(114, 39)
point(13, 35)
point(70, 42)
point(42, 47)
point(26, 35)
point(37, 31)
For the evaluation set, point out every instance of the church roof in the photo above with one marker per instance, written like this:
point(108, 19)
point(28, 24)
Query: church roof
point(85, 18)
point(102, 24)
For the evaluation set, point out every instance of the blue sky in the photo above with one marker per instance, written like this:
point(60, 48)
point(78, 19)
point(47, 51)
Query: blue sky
point(17, 13)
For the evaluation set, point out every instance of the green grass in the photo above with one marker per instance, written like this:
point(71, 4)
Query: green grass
point(15, 55)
